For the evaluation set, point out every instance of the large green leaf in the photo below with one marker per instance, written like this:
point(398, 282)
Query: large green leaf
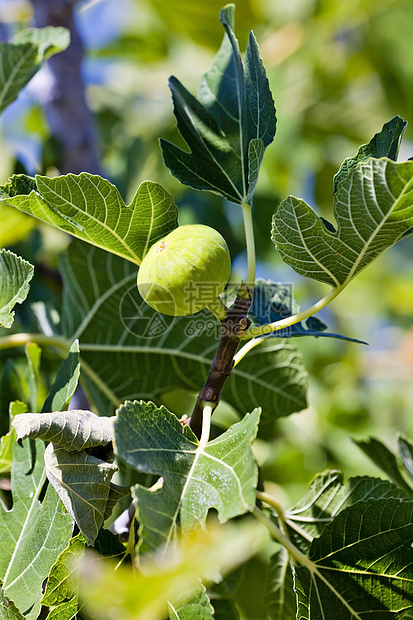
point(129, 351)
point(67, 610)
point(22, 58)
point(91, 208)
point(275, 373)
point(230, 124)
point(386, 143)
point(33, 533)
point(195, 478)
point(361, 566)
point(82, 481)
point(373, 207)
point(15, 275)
point(84, 485)
point(326, 497)
point(61, 590)
point(73, 430)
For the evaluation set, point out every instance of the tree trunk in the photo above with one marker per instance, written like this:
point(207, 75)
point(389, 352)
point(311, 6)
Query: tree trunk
point(68, 115)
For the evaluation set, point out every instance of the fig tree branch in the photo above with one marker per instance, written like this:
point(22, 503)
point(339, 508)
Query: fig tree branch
point(232, 327)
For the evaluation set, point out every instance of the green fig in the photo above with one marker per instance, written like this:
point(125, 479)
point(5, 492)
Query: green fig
point(186, 271)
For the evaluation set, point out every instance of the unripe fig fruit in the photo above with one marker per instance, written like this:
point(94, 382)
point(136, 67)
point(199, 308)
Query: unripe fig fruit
point(185, 271)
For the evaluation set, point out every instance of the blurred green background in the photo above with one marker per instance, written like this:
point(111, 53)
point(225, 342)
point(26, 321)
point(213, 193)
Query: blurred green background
point(338, 72)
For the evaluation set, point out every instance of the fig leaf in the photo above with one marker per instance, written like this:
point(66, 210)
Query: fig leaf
point(228, 126)
point(373, 208)
point(195, 478)
point(22, 57)
point(385, 143)
point(15, 275)
point(91, 208)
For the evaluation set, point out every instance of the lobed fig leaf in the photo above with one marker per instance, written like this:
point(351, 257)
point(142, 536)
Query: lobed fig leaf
point(186, 271)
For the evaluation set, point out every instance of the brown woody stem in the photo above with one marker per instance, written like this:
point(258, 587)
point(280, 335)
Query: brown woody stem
point(232, 327)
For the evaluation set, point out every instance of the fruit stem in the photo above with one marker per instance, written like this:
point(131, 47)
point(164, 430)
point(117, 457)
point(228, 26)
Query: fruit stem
point(249, 237)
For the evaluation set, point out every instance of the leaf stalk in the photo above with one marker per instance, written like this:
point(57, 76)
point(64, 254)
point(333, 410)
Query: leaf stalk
point(276, 533)
point(271, 501)
point(250, 243)
point(18, 340)
point(206, 426)
point(262, 330)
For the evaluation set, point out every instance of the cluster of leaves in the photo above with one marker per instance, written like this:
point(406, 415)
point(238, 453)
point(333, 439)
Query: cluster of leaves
point(345, 549)
point(356, 537)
